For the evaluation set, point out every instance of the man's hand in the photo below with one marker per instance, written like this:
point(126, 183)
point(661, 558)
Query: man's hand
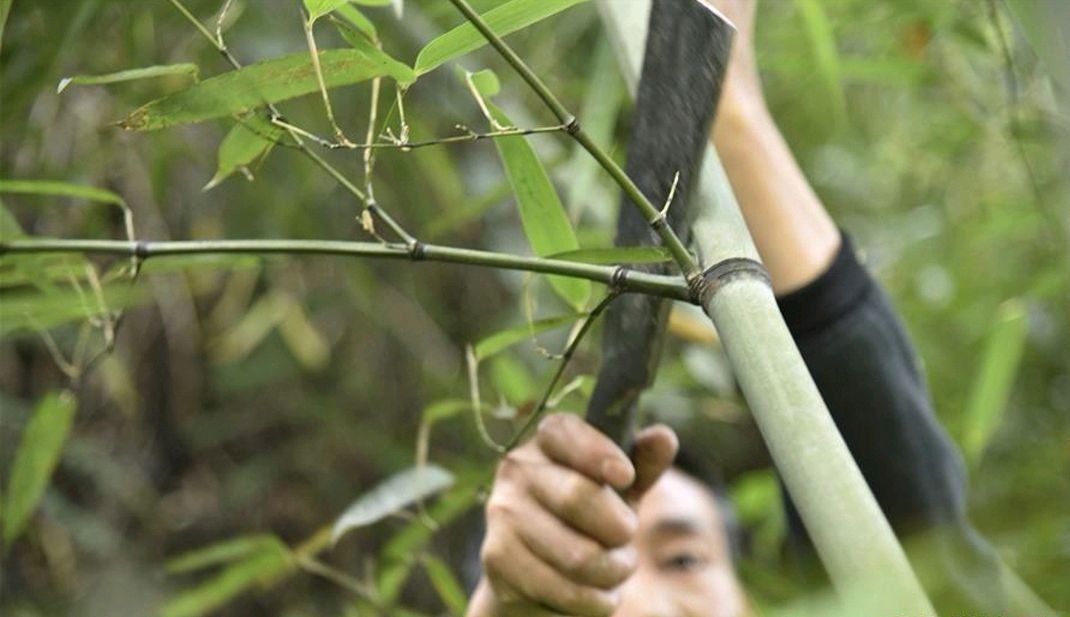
point(559, 536)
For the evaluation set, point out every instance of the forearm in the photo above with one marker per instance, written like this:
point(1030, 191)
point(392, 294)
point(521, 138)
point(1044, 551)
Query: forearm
point(793, 233)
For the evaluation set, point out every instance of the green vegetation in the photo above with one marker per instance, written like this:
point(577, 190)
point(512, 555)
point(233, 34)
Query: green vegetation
point(181, 435)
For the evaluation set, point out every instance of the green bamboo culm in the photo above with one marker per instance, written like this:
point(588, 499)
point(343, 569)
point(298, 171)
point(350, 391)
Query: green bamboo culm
point(853, 539)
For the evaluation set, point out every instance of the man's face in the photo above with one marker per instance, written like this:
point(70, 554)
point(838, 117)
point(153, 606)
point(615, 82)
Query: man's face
point(685, 569)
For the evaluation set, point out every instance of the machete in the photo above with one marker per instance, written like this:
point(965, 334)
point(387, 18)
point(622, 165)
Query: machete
point(683, 68)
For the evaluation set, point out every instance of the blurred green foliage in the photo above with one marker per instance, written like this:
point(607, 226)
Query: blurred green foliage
point(248, 401)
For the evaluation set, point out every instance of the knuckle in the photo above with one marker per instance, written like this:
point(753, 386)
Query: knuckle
point(576, 495)
point(499, 508)
point(492, 555)
point(579, 557)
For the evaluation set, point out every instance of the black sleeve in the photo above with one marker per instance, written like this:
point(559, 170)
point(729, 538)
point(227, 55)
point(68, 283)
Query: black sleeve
point(865, 367)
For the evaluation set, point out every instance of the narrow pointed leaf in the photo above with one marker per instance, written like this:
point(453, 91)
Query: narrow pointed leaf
point(161, 70)
point(319, 8)
point(265, 564)
point(62, 189)
point(356, 19)
point(500, 341)
point(9, 225)
point(250, 139)
point(392, 495)
point(818, 29)
point(36, 457)
point(447, 587)
point(269, 81)
point(509, 17)
point(542, 215)
point(994, 381)
point(220, 553)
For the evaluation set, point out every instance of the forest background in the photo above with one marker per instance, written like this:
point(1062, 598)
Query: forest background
point(249, 401)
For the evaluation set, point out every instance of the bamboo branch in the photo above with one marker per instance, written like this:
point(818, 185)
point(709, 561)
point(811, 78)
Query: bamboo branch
point(570, 349)
point(626, 279)
point(680, 254)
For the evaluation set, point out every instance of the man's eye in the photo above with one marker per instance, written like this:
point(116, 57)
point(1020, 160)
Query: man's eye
point(683, 562)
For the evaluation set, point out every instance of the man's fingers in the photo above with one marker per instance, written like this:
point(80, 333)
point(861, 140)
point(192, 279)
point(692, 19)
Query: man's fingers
point(653, 453)
point(521, 579)
point(592, 509)
point(572, 442)
point(575, 556)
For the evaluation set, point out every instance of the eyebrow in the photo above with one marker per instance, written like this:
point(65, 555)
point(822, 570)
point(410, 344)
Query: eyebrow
point(677, 526)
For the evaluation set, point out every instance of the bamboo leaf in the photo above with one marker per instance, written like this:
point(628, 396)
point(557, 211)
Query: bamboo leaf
point(62, 189)
point(617, 255)
point(392, 495)
point(500, 341)
point(355, 22)
point(160, 70)
point(9, 225)
point(397, 555)
point(28, 311)
point(818, 30)
point(5, 9)
point(250, 139)
point(264, 564)
point(507, 18)
point(319, 8)
point(446, 586)
point(542, 216)
point(1046, 26)
point(303, 340)
point(994, 382)
point(220, 553)
point(269, 81)
point(36, 457)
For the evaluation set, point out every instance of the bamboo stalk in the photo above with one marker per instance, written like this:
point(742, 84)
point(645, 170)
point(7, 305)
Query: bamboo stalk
point(851, 534)
point(621, 278)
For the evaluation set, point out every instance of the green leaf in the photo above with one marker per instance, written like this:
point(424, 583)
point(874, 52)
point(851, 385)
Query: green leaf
point(440, 410)
point(617, 255)
point(269, 81)
point(9, 225)
point(319, 8)
point(397, 557)
point(502, 20)
point(63, 189)
point(355, 21)
point(251, 138)
point(36, 457)
point(222, 552)
point(160, 70)
point(500, 341)
point(392, 495)
point(445, 583)
point(266, 563)
point(604, 97)
point(5, 9)
point(542, 216)
point(994, 382)
point(29, 311)
point(1046, 26)
point(818, 31)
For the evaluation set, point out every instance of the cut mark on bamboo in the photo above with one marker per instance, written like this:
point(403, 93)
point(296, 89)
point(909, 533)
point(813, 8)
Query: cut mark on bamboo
point(705, 287)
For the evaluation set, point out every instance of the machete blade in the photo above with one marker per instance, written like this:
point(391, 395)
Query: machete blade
point(686, 55)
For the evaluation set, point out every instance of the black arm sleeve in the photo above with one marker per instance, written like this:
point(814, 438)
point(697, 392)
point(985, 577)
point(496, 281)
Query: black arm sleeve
point(862, 361)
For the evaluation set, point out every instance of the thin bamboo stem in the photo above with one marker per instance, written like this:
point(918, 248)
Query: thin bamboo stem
point(627, 280)
point(672, 242)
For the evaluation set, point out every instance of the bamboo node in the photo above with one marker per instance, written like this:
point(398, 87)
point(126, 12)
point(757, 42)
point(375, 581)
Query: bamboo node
point(703, 287)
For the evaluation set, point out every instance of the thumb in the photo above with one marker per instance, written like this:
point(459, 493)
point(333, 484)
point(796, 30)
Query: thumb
point(654, 450)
